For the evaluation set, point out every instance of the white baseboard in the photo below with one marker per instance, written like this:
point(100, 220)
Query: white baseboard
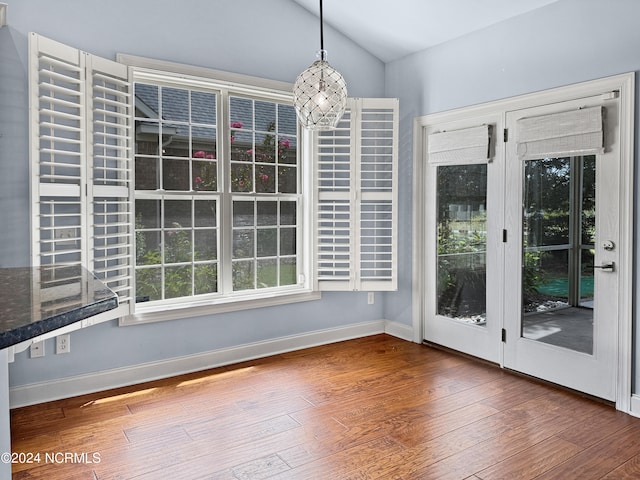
point(399, 330)
point(34, 393)
point(635, 406)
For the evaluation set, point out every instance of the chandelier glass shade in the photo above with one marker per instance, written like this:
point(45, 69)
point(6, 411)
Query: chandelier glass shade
point(320, 92)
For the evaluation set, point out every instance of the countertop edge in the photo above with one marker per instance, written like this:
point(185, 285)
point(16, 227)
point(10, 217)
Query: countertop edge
point(35, 329)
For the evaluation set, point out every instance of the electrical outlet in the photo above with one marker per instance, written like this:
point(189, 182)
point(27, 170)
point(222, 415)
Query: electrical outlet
point(66, 237)
point(371, 298)
point(63, 344)
point(63, 233)
point(37, 349)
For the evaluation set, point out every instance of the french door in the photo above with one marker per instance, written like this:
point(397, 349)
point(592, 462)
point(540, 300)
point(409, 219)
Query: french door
point(562, 217)
point(463, 227)
point(527, 246)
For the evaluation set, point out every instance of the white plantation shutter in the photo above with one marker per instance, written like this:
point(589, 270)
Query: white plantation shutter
point(81, 164)
point(334, 174)
point(110, 186)
point(58, 112)
point(356, 216)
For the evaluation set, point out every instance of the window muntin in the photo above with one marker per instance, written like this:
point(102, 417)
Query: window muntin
point(176, 246)
point(176, 139)
point(193, 224)
point(264, 243)
point(263, 146)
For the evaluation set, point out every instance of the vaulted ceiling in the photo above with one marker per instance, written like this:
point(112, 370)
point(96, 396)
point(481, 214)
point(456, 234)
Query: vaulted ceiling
point(391, 29)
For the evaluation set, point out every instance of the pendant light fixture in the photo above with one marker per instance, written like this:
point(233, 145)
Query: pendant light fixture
point(320, 92)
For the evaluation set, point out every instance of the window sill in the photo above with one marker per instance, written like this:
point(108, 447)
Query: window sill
point(188, 310)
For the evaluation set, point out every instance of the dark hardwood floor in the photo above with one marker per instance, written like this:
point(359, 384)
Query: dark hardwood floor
point(371, 408)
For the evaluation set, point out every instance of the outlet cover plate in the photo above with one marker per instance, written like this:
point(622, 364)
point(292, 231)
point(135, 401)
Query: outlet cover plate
point(36, 349)
point(63, 344)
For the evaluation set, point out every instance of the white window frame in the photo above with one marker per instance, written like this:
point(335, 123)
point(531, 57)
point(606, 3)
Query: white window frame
point(163, 73)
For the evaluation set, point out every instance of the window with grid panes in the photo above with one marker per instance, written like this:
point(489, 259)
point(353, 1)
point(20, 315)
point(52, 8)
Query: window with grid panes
point(217, 194)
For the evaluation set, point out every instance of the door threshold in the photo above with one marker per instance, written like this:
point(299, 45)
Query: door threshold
point(459, 353)
point(603, 401)
point(531, 378)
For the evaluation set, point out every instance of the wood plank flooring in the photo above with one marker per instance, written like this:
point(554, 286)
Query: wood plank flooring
point(365, 409)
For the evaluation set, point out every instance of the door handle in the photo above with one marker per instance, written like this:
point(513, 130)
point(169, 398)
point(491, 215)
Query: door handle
point(609, 267)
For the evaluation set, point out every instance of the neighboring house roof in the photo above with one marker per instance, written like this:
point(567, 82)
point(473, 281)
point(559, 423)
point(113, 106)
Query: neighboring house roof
point(175, 109)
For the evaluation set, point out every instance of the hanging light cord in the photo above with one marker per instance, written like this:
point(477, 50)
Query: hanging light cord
point(321, 29)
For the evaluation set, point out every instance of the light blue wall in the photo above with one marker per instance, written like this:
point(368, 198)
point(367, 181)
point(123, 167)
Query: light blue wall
point(273, 39)
point(566, 42)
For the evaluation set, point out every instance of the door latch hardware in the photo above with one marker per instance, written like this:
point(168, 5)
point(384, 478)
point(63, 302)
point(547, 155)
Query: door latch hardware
point(610, 267)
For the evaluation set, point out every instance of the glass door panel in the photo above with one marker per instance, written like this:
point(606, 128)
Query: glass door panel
point(558, 230)
point(462, 243)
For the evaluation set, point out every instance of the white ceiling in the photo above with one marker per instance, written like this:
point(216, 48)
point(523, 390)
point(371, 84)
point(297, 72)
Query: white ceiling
point(391, 29)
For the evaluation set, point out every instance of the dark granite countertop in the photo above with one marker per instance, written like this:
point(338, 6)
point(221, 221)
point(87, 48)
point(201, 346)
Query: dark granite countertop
point(38, 300)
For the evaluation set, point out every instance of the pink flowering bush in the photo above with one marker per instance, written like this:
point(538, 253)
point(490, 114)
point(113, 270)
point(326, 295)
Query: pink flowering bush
point(253, 168)
point(204, 172)
point(203, 154)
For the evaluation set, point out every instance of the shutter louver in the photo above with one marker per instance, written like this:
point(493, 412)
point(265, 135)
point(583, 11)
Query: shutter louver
point(378, 197)
point(335, 207)
point(81, 165)
point(572, 133)
point(110, 189)
point(468, 146)
point(357, 198)
point(58, 112)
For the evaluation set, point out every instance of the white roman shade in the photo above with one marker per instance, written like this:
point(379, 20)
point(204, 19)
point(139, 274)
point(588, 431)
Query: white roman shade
point(464, 146)
point(81, 191)
point(572, 133)
point(356, 212)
